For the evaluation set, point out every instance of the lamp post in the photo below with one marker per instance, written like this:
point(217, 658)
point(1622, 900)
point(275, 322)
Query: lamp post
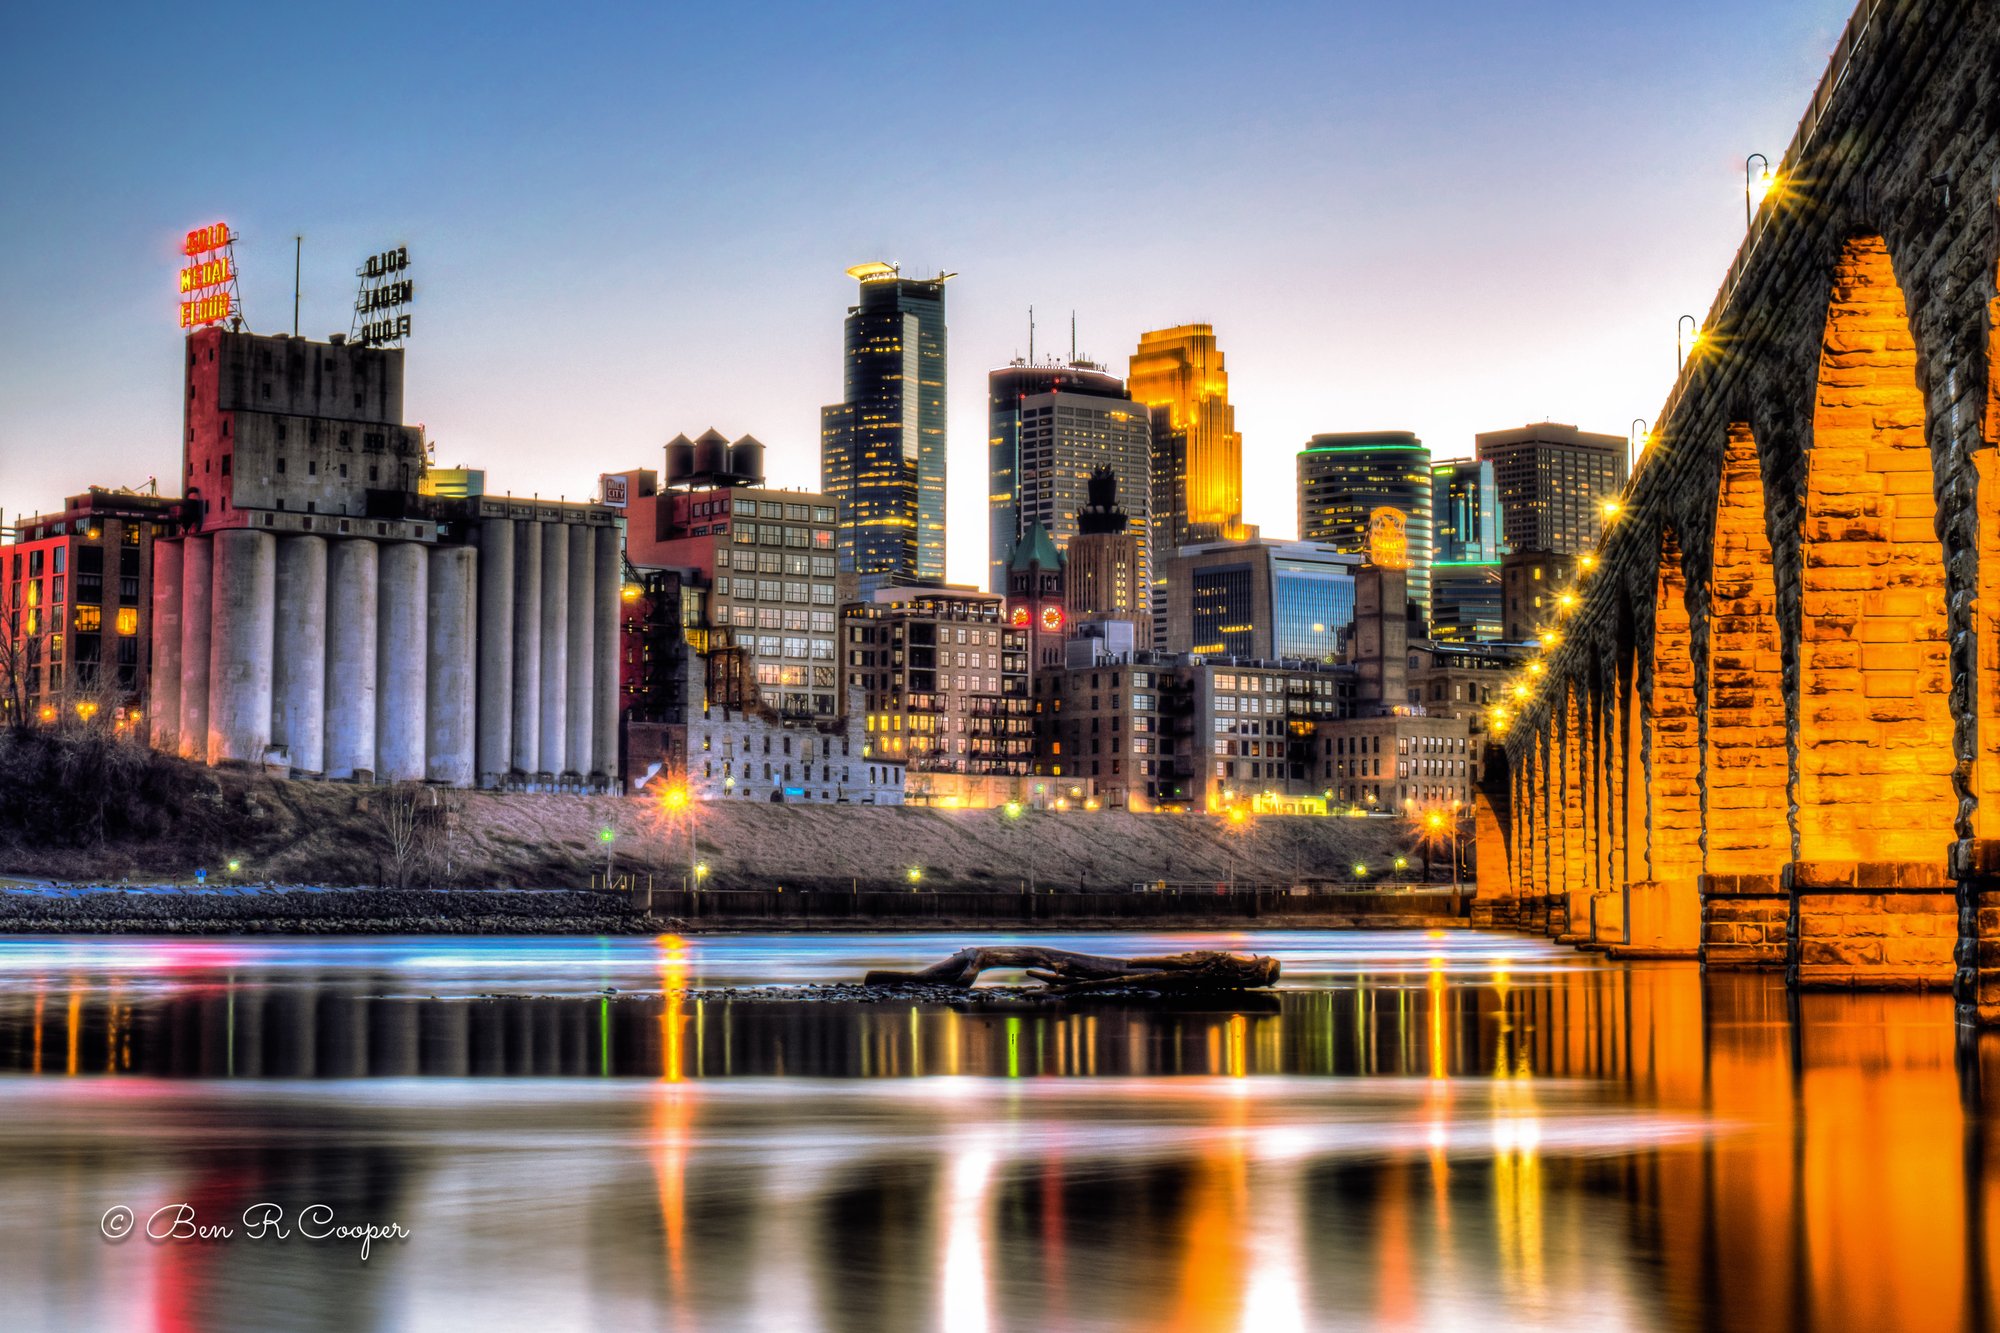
point(1641, 428)
point(679, 801)
point(1752, 196)
point(1684, 349)
point(1017, 813)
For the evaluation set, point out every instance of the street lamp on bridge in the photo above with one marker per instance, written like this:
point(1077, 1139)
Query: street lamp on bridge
point(1757, 186)
point(1685, 348)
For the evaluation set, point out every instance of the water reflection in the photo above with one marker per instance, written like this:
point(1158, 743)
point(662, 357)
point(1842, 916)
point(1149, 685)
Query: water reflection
point(1432, 1143)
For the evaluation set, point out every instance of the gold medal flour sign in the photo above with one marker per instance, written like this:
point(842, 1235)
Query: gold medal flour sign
point(208, 280)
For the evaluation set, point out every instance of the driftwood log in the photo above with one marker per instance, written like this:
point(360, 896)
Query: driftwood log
point(1065, 973)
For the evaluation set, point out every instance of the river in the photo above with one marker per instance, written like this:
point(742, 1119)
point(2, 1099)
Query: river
point(1415, 1131)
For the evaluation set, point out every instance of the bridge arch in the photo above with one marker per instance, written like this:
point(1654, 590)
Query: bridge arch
point(1745, 766)
point(1875, 787)
point(1875, 728)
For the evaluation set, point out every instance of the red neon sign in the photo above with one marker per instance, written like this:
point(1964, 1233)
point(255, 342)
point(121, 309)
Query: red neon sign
point(203, 239)
point(207, 283)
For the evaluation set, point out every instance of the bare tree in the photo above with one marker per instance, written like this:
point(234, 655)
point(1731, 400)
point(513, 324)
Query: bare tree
point(396, 810)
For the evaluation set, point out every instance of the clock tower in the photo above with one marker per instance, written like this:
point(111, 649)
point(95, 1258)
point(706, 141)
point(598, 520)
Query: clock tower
point(1035, 596)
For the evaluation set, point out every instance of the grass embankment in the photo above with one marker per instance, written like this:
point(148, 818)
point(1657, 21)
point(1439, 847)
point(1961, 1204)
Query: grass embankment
point(85, 807)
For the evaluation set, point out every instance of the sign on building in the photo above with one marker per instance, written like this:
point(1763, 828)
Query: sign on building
point(208, 280)
point(381, 308)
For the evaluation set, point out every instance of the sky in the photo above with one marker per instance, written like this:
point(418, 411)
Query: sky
point(626, 222)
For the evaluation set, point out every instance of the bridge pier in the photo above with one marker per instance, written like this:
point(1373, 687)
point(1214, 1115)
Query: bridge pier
point(1745, 922)
point(1665, 920)
point(1874, 924)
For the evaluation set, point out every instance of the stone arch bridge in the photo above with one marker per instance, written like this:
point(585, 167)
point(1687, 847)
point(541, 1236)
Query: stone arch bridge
point(1768, 730)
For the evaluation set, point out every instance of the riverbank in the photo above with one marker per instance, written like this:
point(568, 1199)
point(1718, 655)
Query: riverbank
point(142, 818)
point(62, 909)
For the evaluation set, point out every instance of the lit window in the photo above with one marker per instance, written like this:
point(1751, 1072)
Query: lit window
point(128, 620)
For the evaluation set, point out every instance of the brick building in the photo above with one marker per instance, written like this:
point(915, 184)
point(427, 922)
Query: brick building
point(76, 601)
point(944, 685)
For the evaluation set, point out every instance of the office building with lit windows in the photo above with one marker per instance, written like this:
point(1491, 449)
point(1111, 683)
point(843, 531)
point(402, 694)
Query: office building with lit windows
point(76, 607)
point(1553, 481)
point(1344, 478)
point(1531, 583)
point(1465, 552)
point(1260, 599)
point(1197, 454)
point(762, 559)
point(1050, 428)
point(944, 682)
point(882, 448)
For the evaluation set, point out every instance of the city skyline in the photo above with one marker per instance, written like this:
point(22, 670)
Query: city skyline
point(1343, 269)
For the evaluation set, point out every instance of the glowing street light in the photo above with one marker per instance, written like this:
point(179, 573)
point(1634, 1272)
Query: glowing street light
point(1685, 349)
point(1757, 186)
point(1402, 863)
point(1637, 437)
point(1587, 562)
point(1612, 509)
point(915, 875)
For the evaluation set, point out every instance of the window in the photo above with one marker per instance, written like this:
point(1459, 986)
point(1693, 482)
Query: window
point(746, 533)
point(822, 539)
point(746, 508)
point(128, 620)
point(89, 618)
point(722, 558)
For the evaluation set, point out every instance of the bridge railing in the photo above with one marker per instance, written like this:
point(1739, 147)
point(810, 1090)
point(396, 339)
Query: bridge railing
point(1861, 24)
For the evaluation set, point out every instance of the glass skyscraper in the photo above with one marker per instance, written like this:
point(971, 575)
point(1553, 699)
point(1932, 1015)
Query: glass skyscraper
point(1050, 427)
point(1465, 568)
point(1260, 599)
point(1344, 479)
point(882, 449)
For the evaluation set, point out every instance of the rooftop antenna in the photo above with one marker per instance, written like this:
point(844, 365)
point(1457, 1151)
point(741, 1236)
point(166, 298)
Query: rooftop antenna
point(1072, 337)
point(1031, 335)
point(298, 249)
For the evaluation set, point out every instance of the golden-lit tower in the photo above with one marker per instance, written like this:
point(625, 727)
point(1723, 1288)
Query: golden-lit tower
point(1198, 466)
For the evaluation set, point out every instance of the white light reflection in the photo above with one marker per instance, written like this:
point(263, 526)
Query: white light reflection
point(963, 1290)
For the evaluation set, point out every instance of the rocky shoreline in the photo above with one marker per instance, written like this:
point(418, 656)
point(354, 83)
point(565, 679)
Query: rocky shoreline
point(54, 909)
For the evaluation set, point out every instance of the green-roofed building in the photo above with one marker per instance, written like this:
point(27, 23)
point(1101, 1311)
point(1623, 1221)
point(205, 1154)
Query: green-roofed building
point(1345, 478)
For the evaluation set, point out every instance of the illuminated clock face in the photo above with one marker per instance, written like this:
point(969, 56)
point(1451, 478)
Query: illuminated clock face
point(1051, 619)
point(1021, 617)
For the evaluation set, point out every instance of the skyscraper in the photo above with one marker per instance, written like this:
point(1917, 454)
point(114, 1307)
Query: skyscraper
point(1465, 563)
point(882, 449)
point(1198, 456)
point(1465, 511)
point(1553, 481)
point(1344, 479)
point(1051, 427)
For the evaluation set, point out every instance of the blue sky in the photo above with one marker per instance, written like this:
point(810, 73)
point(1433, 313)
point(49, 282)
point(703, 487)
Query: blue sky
point(629, 222)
